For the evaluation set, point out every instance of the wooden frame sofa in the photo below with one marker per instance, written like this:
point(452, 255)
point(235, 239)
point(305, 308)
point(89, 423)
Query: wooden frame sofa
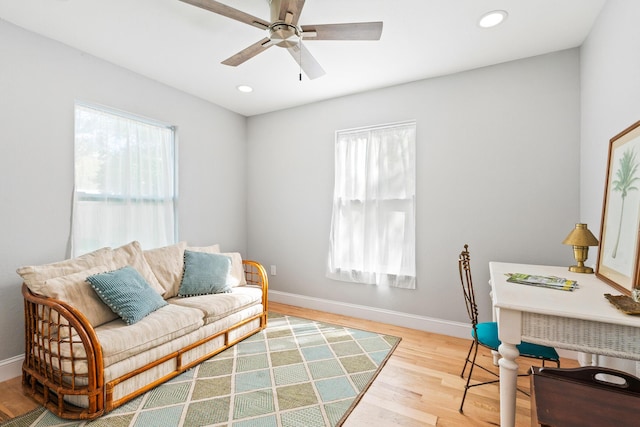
point(80, 365)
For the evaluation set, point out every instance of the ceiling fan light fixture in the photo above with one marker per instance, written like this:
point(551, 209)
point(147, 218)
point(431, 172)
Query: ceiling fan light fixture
point(244, 88)
point(492, 19)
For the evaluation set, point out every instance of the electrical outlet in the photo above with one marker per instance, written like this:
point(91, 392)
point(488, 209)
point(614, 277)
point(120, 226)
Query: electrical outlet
point(273, 270)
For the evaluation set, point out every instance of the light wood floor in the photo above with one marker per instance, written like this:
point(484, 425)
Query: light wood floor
point(419, 386)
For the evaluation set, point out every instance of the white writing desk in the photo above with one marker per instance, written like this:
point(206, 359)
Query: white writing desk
point(582, 320)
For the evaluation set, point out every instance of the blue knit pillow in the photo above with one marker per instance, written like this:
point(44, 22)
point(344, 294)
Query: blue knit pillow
point(127, 293)
point(205, 273)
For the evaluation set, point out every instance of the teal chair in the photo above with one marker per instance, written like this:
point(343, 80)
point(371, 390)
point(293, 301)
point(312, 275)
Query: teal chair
point(485, 334)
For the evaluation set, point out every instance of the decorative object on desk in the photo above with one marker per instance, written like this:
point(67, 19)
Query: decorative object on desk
point(551, 282)
point(580, 238)
point(619, 250)
point(624, 303)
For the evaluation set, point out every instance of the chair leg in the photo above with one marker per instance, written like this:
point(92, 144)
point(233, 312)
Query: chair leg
point(474, 346)
point(466, 361)
point(472, 362)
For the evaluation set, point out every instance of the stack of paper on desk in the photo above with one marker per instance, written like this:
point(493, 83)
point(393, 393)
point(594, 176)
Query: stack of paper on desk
point(552, 282)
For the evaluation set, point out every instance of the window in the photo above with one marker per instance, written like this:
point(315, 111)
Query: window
point(125, 185)
point(372, 238)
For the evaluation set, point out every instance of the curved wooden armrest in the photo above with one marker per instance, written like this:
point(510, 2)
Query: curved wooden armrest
point(256, 275)
point(59, 339)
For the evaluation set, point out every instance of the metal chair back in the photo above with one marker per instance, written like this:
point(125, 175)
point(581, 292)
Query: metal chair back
point(466, 280)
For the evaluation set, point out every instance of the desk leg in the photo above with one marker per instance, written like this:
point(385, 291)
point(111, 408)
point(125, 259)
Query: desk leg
point(508, 384)
point(494, 315)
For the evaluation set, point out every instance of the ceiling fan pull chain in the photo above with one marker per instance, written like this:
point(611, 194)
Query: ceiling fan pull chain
point(300, 62)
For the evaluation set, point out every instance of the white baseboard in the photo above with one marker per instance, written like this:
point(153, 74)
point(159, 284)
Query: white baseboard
point(407, 320)
point(11, 368)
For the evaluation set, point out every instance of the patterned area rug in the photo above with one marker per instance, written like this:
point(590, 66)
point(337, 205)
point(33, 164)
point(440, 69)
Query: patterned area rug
point(295, 373)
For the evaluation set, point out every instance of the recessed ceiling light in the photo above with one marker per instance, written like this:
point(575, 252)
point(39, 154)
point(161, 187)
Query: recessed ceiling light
point(244, 88)
point(493, 18)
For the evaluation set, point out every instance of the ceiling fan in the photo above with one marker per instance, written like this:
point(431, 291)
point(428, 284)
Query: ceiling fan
point(284, 31)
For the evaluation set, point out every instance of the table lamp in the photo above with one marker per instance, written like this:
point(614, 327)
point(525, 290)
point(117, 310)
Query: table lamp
point(580, 238)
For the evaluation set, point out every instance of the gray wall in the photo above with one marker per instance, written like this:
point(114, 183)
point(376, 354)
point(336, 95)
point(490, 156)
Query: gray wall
point(610, 80)
point(39, 81)
point(498, 168)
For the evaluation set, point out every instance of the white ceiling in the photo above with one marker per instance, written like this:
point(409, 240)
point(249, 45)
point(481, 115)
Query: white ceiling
point(182, 46)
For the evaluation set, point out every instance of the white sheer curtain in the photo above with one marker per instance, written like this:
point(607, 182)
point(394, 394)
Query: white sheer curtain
point(124, 181)
point(372, 237)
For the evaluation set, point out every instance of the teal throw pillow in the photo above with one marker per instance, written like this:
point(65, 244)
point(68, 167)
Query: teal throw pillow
point(127, 293)
point(205, 273)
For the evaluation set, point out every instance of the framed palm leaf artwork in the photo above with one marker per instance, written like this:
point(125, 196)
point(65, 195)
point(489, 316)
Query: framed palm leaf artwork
point(618, 252)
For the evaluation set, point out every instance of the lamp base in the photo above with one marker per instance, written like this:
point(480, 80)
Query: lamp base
point(581, 269)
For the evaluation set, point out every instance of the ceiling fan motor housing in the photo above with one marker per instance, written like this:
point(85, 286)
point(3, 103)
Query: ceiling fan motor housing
point(284, 35)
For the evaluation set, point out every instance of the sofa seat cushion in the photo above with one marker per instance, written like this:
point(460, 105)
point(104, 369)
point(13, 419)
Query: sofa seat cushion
point(217, 306)
point(120, 341)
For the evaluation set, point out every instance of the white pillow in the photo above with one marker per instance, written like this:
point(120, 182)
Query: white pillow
point(213, 249)
point(167, 263)
point(78, 293)
point(237, 269)
point(35, 275)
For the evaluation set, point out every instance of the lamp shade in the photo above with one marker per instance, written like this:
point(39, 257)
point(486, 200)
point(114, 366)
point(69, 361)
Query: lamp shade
point(580, 236)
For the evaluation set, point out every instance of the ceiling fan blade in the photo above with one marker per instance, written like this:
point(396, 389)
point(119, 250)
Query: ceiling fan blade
point(229, 12)
point(290, 11)
point(352, 31)
point(248, 52)
point(307, 62)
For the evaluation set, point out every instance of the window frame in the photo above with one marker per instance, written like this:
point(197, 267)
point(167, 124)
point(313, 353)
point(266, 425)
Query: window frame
point(407, 204)
point(83, 196)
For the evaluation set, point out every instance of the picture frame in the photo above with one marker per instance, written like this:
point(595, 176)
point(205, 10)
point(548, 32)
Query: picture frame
point(618, 249)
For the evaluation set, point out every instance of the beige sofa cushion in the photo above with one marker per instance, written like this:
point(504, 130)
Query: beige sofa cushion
point(167, 263)
point(213, 249)
point(35, 275)
point(131, 254)
point(76, 291)
point(237, 269)
point(217, 306)
point(120, 341)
